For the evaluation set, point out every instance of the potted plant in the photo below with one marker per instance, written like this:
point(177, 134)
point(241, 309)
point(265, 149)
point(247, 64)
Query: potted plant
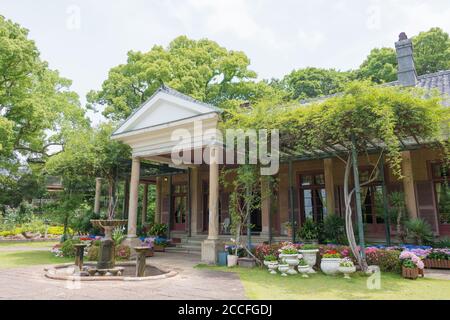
point(309, 253)
point(330, 262)
point(303, 268)
point(309, 232)
point(234, 253)
point(438, 258)
point(160, 244)
point(347, 267)
point(412, 265)
point(269, 259)
point(150, 243)
point(289, 255)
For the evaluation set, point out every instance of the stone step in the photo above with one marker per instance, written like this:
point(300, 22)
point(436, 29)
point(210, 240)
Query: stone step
point(183, 250)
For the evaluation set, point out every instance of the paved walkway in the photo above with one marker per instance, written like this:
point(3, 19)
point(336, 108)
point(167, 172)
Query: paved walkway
point(189, 284)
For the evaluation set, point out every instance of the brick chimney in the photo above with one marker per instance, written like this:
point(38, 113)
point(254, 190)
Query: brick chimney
point(406, 73)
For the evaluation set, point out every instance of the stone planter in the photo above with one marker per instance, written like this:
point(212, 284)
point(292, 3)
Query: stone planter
point(159, 248)
point(232, 260)
point(246, 262)
point(283, 268)
point(347, 271)
point(410, 273)
point(310, 256)
point(304, 270)
point(273, 266)
point(330, 266)
point(436, 264)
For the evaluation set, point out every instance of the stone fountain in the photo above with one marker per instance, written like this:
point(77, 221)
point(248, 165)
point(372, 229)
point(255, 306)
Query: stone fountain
point(106, 261)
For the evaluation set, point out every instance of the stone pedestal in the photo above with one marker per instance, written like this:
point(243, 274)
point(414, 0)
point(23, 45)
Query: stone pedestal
point(210, 250)
point(106, 254)
point(141, 253)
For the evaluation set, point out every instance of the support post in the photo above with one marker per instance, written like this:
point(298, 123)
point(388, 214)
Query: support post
point(134, 195)
point(169, 218)
point(189, 225)
point(98, 192)
point(211, 245)
point(358, 198)
point(158, 200)
point(385, 203)
point(329, 185)
point(408, 184)
point(144, 205)
point(291, 200)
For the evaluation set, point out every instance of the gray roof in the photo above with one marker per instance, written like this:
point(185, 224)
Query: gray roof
point(439, 80)
point(173, 92)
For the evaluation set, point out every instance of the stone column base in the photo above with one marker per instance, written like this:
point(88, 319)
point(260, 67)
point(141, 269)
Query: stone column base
point(210, 248)
point(132, 242)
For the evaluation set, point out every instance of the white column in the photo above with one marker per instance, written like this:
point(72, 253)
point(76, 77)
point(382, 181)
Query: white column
point(98, 191)
point(134, 194)
point(158, 200)
point(144, 205)
point(195, 194)
point(408, 184)
point(213, 228)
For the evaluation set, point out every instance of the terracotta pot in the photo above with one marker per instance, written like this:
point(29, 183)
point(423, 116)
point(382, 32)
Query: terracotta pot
point(149, 253)
point(158, 248)
point(410, 273)
point(437, 264)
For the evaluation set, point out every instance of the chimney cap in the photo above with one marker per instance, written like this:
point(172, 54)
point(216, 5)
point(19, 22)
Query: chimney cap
point(402, 36)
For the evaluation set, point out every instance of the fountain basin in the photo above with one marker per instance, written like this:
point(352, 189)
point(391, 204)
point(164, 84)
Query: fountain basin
point(65, 272)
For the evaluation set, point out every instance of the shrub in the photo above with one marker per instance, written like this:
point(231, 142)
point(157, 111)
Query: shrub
point(263, 250)
point(419, 231)
point(387, 260)
point(309, 230)
point(158, 229)
point(118, 236)
point(333, 230)
point(68, 249)
point(442, 243)
point(58, 230)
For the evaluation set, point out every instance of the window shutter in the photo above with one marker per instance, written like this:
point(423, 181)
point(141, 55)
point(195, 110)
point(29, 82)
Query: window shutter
point(426, 205)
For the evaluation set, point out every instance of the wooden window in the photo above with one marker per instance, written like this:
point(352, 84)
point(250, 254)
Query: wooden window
point(313, 196)
point(441, 182)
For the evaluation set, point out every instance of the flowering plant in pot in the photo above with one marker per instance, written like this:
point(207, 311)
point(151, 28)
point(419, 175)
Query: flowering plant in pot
point(412, 265)
point(438, 258)
point(330, 262)
point(271, 261)
point(309, 253)
point(347, 267)
point(303, 268)
point(289, 255)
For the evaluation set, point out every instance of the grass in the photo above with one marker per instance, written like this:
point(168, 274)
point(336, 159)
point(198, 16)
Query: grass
point(259, 284)
point(17, 259)
point(31, 244)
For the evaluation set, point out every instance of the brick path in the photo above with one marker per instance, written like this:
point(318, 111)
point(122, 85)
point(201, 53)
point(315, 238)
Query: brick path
point(189, 284)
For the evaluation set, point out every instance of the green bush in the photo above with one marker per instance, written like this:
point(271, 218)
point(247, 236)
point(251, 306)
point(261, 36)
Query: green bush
point(309, 231)
point(123, 252)
point(333, 230)
point(442, 243)
point(158, 229)
point(68, 249)
point(387, 260)
point(419, 231)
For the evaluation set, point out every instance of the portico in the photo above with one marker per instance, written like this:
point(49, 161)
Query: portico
point(166, 123)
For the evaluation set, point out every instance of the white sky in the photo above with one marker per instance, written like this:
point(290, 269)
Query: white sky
point(83, 39)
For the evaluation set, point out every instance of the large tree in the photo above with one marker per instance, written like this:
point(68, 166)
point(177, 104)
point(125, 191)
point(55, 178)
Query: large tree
point(314, 82)
point(199, 68)
point(431, 54)
point(35, 102)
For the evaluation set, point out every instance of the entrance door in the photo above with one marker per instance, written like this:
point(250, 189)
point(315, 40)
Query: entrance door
point(179, 205)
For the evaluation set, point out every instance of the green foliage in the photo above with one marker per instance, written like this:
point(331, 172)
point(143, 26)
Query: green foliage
point(431, 51)
point(92, 254)
point(80, 219)
point(408, 263)
point(419, 231)
point(309, 247)
point(442, 243)
point(118, 235)
point(270, 257)
point(333, 230)
point(380, 66)
point(308, 231)
point(158, 229)
point(68, 249)
point(315, 82)
point(122, 252)
point(199, 68)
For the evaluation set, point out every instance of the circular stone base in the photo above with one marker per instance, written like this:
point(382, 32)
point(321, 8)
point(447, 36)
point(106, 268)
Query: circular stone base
point(66, 272)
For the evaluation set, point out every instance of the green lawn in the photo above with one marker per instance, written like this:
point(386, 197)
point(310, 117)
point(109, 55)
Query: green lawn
point(33, 244)
point(17, 259)
point(259, 284)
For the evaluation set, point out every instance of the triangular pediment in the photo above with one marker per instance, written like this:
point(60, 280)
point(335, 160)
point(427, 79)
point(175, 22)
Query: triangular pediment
point(164, 107)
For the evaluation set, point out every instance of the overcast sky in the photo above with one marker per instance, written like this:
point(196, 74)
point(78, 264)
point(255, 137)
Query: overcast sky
point(83, 39)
